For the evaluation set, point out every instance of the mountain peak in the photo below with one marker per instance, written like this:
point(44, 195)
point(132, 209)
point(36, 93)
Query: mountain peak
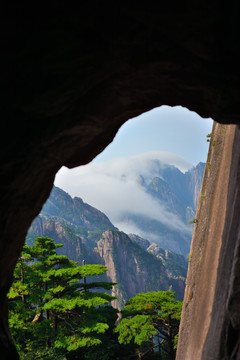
point(75, 210)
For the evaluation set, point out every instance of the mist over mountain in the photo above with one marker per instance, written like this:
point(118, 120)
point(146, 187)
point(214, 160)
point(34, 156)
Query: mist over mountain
point(87, 234)
point(176, 194)
point(153, 195)
point(151, 203)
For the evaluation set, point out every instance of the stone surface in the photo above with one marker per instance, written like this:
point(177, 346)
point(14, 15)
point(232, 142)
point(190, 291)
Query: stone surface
point(210, 318)
point(135, 270)
point(72, 75)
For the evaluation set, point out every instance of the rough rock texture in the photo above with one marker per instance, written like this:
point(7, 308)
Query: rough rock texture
point(129, 264)
point(73, 247)
point(71, 76)
point(210, 319)
point(195, 181)
point(135, 270)
point(76, 211)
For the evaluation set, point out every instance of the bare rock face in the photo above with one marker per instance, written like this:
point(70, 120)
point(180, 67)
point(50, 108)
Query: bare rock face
point(210, 319)
point(134, 269)
point(72, 75)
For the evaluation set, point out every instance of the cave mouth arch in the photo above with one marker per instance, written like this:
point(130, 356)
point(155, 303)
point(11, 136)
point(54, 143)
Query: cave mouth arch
point(72, 76)
point(204, 133)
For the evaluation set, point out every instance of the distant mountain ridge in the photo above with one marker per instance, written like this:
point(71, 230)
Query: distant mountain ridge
point(87, 234)
point(177, 192)
point(77, 212)
point(176, 189)
point(135, 263)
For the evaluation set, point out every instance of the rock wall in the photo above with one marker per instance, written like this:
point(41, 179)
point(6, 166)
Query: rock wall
point(71, 75)
point(210, 319)
point(133, 269)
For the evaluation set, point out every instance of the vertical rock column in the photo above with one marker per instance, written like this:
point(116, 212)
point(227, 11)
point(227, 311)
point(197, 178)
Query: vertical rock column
point(211, 311)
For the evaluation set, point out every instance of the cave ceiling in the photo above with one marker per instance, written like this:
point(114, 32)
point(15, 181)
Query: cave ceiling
point(72, 75)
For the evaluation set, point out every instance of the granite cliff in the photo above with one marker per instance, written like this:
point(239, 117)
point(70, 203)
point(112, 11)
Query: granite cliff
point(87, 234)
point(135, 269)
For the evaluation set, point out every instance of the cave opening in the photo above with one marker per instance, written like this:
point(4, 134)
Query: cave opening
point(179, 134)
point(72, 77)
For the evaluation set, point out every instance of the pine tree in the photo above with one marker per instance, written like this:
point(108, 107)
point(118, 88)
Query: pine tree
point(151, 321)
point(21, 308)
point(59, 311)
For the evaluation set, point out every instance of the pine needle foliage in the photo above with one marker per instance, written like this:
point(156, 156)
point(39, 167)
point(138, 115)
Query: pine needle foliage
point(151, 321)
point(52, 312)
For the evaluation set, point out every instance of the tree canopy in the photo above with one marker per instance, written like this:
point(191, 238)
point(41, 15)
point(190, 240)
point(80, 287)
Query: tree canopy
point(151, 320)
point(57, 312)
point(53, 311)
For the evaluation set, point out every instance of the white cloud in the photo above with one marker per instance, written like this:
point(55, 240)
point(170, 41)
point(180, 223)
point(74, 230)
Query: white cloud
point(114, 187)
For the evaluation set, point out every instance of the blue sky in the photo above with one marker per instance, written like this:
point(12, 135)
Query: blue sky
point(110, 182)
point(171, 129)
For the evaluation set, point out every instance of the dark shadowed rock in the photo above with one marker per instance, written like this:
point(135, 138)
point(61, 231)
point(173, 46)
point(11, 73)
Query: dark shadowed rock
point(71, 75)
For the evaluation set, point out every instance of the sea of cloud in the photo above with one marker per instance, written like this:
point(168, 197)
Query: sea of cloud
point(115, 187)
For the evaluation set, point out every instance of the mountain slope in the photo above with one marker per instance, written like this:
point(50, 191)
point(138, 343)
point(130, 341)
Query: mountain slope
point(176, 194)
point(130, 264)
point(75, 211)
point(133, 268)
